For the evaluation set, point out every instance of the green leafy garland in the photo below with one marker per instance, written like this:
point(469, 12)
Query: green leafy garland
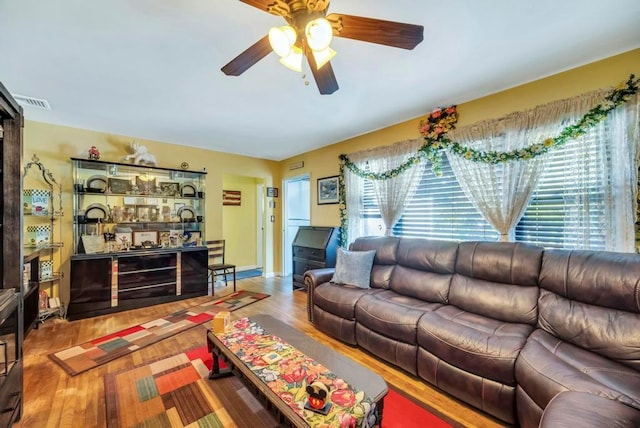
point(440, 121)
point(617, 97)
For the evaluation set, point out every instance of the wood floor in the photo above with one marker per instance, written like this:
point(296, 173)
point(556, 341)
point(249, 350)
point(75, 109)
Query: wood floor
point(54, 399)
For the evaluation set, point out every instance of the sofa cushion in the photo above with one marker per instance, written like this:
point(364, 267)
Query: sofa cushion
point(385, 260)
point(335, 326)
point(353, 268)
point(392, 314)
point(592, 299)
point(498, 280)
point(547, 366)
point(579, 409)
point(339, 300)
point(611, 333)
point(477, 344)
point(601, 278)
point(504, 262)
point(424, 269)
point(393, 351)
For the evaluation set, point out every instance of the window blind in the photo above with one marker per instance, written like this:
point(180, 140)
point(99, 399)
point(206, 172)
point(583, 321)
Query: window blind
point(572, 179)
point(440, 210)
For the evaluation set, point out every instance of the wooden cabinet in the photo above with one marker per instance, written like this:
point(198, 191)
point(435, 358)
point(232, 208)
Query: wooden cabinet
point(11, 308)
point(11, 366)
point(107, 283)
point(137, 237)
point(314, 247)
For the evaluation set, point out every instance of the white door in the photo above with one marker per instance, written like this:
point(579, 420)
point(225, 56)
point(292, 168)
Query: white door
point(297, 212)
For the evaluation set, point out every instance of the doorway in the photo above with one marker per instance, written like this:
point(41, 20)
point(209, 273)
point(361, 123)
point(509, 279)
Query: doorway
point(297, 212)
point(243, 223)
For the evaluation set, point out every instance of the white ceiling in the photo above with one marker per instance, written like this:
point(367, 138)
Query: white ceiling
point(151, 68)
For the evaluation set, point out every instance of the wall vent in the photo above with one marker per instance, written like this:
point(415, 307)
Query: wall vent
point(32, 102)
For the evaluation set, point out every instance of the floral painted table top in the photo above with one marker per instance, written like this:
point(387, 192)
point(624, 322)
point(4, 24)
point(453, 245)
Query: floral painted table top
point(291, 371)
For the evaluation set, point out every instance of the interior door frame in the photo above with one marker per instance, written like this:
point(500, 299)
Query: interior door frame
point(286, 261)
point(260, 213)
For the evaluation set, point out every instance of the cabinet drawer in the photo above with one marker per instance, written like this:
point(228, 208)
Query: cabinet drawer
point(309, 253)
point(147, 291)
point(147, 262)
point(300, 266)
point(143, 278)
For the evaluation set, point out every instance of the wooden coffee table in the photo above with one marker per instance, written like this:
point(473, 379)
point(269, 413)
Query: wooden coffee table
point(356, 375)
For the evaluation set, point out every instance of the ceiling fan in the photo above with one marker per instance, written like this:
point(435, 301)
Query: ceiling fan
point(309, 33)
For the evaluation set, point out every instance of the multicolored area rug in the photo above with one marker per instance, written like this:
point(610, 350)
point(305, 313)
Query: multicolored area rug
point(175, 392)
point(88, 355)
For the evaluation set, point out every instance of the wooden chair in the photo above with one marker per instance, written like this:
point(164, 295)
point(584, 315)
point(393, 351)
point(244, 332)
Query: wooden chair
point(217, 265)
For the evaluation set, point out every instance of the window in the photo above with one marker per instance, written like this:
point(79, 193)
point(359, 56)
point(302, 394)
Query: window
point(573, 177)
point(438, 210)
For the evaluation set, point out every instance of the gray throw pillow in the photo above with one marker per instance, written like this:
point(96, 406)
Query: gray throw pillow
point(354, 268)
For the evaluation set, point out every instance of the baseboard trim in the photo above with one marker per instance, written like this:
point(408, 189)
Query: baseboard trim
point(250, 267)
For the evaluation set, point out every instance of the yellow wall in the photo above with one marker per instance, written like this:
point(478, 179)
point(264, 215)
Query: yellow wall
point(240, 225)
point(54, 145)
point(602, 74)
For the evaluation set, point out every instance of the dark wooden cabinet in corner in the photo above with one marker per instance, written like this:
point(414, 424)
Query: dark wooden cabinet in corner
point(107, 283)
point(13, 285)
point(314, 247)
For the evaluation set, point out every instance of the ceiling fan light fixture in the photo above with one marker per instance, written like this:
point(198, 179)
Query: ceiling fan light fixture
point(318, 34)
point(323, 57)
point(282, 39)
point(293, 61)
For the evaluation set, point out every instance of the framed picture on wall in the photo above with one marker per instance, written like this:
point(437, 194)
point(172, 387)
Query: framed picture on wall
point(328, 190)
point(272, 192)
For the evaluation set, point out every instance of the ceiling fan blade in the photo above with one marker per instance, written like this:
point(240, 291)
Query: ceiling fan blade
point(274, 7)
point(324, 77)
point(396, 34)
point(249, 57)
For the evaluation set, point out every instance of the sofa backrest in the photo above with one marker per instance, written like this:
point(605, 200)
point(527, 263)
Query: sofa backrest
point(592, 300)
point(385, 260)
point(498, 280)
point(424, 269)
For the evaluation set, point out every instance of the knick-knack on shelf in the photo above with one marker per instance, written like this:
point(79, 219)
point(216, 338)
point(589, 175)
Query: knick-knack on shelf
point(94, 153)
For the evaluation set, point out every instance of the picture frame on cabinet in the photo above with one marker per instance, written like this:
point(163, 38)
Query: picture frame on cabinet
point(143, 213)
point(119, 185)
point(145, 237)
point(164, 238)
point(195, 237)
point(124, 239)
point(93, 244)
point(169, 188)
point(146, 185)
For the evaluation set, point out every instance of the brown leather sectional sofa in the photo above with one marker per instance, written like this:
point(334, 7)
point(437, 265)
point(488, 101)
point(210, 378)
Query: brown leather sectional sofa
point(531, 336)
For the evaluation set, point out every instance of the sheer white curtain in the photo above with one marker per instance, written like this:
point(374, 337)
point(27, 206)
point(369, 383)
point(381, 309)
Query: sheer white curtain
point(502, 191)
point(391, 194)
point(621, 138)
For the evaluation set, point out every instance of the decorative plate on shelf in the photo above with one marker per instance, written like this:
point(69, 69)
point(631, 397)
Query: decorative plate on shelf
point(188, 189)
point(95, 212)
point(96, 184)
point(186, 213)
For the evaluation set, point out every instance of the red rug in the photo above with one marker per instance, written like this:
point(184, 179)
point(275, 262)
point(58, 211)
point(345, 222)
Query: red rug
point(93, 353)
point(175, 391)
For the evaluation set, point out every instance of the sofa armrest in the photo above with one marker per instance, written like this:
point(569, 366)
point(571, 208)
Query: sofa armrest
point(572, 409)
point(311, 279)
